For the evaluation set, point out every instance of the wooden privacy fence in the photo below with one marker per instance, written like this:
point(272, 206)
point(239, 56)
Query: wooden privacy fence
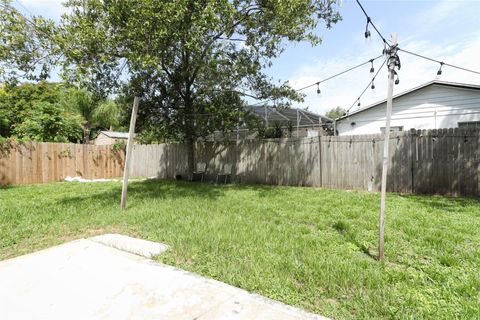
point(38, 162)
point(445, 161)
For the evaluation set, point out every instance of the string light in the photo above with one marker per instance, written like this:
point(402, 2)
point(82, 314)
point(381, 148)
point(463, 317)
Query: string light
point(369, 21)
point(372, 69)
point(447, 64)
point(367, 32)
point(366, 88)
point(439, 72)
point(318, 88)
point(373, 86)
point(397, 81)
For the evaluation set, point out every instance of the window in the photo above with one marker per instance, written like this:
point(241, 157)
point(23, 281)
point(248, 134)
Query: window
point(392, 129)
point(469, 124)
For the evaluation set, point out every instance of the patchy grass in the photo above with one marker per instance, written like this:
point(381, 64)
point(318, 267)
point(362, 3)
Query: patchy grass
point(307, 247)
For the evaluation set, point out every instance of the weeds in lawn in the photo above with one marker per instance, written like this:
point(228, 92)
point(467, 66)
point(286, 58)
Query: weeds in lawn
point(304, 246)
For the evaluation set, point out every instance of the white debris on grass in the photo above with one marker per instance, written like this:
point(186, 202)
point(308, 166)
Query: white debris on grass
point(81, 179)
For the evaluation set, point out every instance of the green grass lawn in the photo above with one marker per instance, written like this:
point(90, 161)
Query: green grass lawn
point(307, 247)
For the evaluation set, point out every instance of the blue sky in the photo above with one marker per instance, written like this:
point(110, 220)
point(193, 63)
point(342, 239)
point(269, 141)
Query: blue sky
point(445, 30)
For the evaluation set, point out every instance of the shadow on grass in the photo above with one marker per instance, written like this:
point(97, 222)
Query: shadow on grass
point(344, 229)
point(153, 189)
point(438, 202)
point(262, 191)
point(165, 189)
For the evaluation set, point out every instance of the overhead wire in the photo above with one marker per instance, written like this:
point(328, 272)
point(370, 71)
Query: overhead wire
point(369, 21)
point(326, 79)
point(340, 73)
point(438, 61)
point(369, 84)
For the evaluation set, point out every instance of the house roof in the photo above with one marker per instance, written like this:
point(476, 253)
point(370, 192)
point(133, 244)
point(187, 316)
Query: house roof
point(115, 134)
point(284, 115)
point(435, 82)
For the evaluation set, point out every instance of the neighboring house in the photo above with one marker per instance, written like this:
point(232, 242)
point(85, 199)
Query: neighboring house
point(304, 123)
point(110, 137)
point(433, 105)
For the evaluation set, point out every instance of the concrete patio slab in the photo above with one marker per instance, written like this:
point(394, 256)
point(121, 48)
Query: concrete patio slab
point(85, 279)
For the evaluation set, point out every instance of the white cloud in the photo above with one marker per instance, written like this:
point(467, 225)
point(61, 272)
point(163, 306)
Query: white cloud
point(344, 90)
point(437, 13)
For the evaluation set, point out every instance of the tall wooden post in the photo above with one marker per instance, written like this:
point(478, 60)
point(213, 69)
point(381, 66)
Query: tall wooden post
point(391, 75)
point(128, 157)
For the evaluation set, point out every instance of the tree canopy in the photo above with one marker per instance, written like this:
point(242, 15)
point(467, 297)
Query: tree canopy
point(53, 112)
point(35, 112)
point(191, 61)
point(335, 113)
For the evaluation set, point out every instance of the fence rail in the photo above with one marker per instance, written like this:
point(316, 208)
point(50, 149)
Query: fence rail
point(39, 162)
point(445, 161)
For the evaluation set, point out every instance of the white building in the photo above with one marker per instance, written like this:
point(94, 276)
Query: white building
point(434, 105)
point(110, 137)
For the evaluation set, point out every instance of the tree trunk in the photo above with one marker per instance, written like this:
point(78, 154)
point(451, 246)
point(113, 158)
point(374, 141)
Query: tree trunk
point(190, 129)
point(191, 155)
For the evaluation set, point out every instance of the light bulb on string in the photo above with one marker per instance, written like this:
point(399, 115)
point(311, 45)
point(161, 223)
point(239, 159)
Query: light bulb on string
point(358, 104)
point(397, 81)
point(373, 87)
point(367, 32)
point(439, 72)
point(318, 88)
point(385, 50)
point(372, 69)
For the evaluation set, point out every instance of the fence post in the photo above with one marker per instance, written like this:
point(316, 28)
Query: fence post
point(412, 152)
point(320, 160)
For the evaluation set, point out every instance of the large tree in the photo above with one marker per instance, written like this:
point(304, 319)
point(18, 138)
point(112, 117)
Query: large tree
point(191, 61)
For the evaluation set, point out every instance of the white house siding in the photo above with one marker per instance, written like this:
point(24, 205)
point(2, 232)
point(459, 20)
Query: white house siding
point(432, 107)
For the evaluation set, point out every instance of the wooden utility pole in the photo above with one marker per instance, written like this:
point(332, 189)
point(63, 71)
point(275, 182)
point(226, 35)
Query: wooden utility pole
point(128, 157)
point(392, 63)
